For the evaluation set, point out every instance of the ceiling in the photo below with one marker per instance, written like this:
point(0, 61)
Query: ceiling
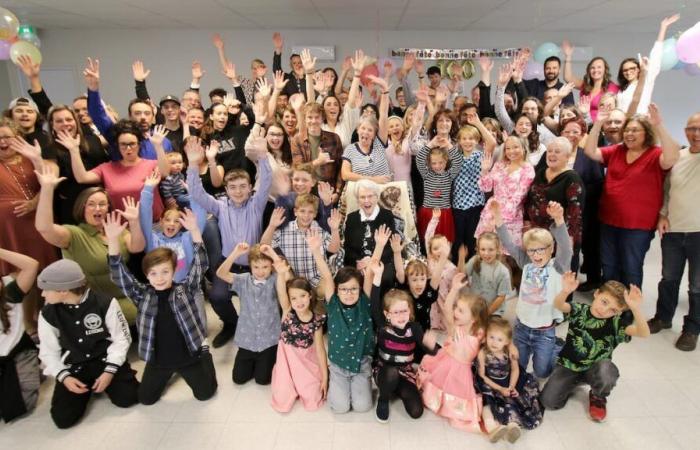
point(400, 15)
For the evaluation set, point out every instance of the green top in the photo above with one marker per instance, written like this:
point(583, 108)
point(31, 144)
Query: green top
point(590, 339)
point(350, 333)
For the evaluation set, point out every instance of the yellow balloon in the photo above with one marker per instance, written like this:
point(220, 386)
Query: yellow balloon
point(20, 48)
point(9, 25)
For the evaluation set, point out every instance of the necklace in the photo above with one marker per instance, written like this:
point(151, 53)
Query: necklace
point(23, 185)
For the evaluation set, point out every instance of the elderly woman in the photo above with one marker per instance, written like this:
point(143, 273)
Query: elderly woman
point(19, 192)
point(86, 243)
point(360, 229)
point(557, 182)
point(632, 192)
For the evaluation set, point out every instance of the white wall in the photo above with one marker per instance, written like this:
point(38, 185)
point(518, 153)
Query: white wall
point(169, 54)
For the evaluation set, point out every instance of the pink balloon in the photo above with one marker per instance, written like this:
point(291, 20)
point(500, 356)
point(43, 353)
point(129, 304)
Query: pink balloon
point(688, 45)
point(533, 69)
point(367, 71)
point(5, 50)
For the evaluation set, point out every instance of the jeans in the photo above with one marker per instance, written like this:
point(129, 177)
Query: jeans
point(602, 377)
point(212, 243)
point(622, 253)
point(220, 296)
point(347, 388)
point(676, 249)
point(541, 344)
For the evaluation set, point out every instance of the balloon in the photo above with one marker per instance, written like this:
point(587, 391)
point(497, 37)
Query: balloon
point(5, 50)
point(26, 29)
point(32, 39)
point(679, 65)
point(533, 70)
point(546, 50)
point(20, 48)
point(28, 33)
point(692, 69)
point(669, 58)
point(366, 72)
point(688, 46)
point(9, 25)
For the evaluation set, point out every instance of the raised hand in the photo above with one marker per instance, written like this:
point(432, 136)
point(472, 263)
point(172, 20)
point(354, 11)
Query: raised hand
point(314, 240)
point(566, 89)
point(217, 41)
point(420, 67)
point(308, 61)
point(409, 60)
point(603, 116)
point(668, 21)
point(281, 267)
point(91, 73)
point(279, 80)
point(29, 67)
point(382, 235)
point(229, 71)
point(212, 151)
point(584, 104)
point(377, 268)
point(47, 177)
point(278, 217)
point(325, 191)
point(654, 115)
point(296, 101)
point(153, 179)
point(320, 84)
point(441, 94)
point(241, 248)
point(556, 212)
point(188, 220)
point(569, 283)
point(157, 136)
point(139, 71)
point(194, 151)
point(277, 41)
point(347, 64)
point(388, 69)
point(504, 74)
point(417, 119)
point(485, 63)
point(634, 298)
point(459, 281)
point(334, 219)
point(197, 71)
point(359, 61)
point(113, 226)
point(567, 49)
point(396, 243)
point(131, 209)
point(24, 148)
point(381, 82)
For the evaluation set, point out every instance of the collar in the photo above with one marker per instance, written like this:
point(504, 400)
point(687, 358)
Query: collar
point(258, 282)
point(91, 230)
point(294, 226)
point(364, 218)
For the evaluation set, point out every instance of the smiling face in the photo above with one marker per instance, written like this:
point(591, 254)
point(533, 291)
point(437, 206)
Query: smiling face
point(514, 151)
point(96, 209)
point(80, 108)
point(539, 253)
point(634, 135)
point(6, 136)
point(191, 99)
point(367, 200)
point(275, 137)
point(176, 163)
point(160, 276)
point(488, 250)
point(349, 292)
point(171, 111)
point(63, 120)
point(596, 69)
point(531, 109)
point(289, 120)
point(313, 121)
point(551, 70)
point(557, 157)
point(523, 127)
point(331, 107)
point(630, 70)
point(238, 190)
point(399, 314)
point(443, 125)
point(25, 116)
point(572, 131)
point(417, 281)
point(366, 133)
point(496, 340)
point(305, 214)
point(142, 114)
point(302, 182)
point(295, 62)
point(170, 223)
point(195, 117)
point(467, 142)
point(692, 132)
point(395, 128)
point(438, 163)
point(612, 128)
point(300, 300)
point(605, 306)
point(219, 116)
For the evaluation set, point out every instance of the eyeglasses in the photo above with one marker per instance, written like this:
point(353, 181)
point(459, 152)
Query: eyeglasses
point(97, 205)
point(128, 144)
point(402, 312)
point(354, 290)
point(630, 69)
point(633, 130)
point(537, 251)
point(692, 130)
point(275, 134)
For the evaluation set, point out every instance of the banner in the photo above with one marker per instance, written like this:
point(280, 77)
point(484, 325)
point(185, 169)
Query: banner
point(455, 53)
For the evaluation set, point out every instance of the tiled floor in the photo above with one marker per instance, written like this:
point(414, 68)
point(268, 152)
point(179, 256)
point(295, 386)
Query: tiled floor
point(656, 405)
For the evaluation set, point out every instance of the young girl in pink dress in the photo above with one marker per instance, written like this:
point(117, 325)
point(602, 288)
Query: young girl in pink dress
point(509, 179)
point(438, 247)
point(445, 380)
point(301, 369)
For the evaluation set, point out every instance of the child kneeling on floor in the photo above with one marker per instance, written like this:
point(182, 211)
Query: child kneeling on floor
point(594, 332)
point(84, 340)
point(172, 337)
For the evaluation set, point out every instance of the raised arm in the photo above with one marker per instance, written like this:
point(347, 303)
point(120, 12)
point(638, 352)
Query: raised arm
point(76, 161)
point(633, 300)
point(345, 71)
point(284, 274)
point(569, 76)
point(504, 75)
point(358, 63)
point(28, 268)
point(32, 71)
point(565, 251)
point(279, 83)
point(277, 219)
point(516, 252)
point(194, 152)
point(56, 235)
point(383, 107)
point(591, 148)
point(458, 282)
point(315, 243)
point(309, 63)
point(396, 249)
point(146, 207)
point(119, 274)
point(224, 270)
point(569, 283)
point(669, 147)
point(140, 74)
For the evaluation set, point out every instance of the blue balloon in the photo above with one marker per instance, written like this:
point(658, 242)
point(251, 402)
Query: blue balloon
point(546, 50)
point(679, 65)
point(669, 57)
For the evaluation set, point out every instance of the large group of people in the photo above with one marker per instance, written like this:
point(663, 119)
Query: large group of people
point(371, 235)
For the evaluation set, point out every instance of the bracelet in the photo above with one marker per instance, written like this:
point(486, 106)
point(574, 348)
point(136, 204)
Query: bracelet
point(385, 93)
point(310, 72)
point(421, 76)
point(260, 124)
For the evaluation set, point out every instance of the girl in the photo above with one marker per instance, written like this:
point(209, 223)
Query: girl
point(467, 199)
point(446, 380)
point(19, 365)
point(439, 162)
point(301, 369)
point(526, 128)
point(488, 277)
point(439, 264)
point(398, 337)
point(510, 180)
point(512, 395)
point(350, 334)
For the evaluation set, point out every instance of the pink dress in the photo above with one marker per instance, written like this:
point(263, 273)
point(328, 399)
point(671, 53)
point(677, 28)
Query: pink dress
point(510, 191)
point(447, 384)
point(400, 163)
point(595, 100)
point(297, 372)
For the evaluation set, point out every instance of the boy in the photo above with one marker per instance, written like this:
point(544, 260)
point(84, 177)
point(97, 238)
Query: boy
point(84, 339)
point(259, 326)
point(303, 182)
point(240, 220)
point(171, 333)
point(534, 331)
point(594, 332)
point(290, 239)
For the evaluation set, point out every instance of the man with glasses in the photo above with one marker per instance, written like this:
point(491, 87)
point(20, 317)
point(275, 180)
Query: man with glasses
point(679, 228)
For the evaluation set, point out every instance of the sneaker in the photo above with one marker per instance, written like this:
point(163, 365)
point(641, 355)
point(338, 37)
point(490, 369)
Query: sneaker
point(656, 325)
point(596, 407)
point(512, 432)
point(382, 412)
point(498, 433)
point(225, 335)
point(687, 342)
point(588, 286)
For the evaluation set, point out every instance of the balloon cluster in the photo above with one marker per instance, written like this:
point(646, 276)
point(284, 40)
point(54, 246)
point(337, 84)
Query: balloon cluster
point(687, 50)
point(17, 40)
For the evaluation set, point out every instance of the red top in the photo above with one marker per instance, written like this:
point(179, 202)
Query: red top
point(632, 193)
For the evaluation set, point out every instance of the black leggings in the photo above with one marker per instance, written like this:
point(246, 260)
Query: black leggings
point(258, 365)
point(199, 376)
point(390, 382)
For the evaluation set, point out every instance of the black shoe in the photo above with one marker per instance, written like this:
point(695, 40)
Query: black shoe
point(687, 342)
point(225, 335)
point(382, 412)
point(656, 325)
point(589, 286)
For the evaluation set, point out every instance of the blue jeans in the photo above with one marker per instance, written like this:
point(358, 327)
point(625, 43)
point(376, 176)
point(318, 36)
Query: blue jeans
point(676, 249)
point(538, 343)
point(212, 243)
point(622, 253)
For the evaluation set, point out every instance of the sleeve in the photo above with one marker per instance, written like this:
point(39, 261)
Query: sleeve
point(421, 160)
point(574, 211)
point(456, 161)
point(125, 280)
point(546, 135)
point(485, 106)
point(408, 91)
point(238, 282)
point(276, 62)
point(622, 322)
point(562, 260)
point(277, 238)
point(655, 57)
point(375, 299)
point(516, 252)
point(265, 179)
point(240, 96)
point(324, 212)
point(485, 182)
point(98, 114)
point(200, 264)
point(13, 293)
point(206, 201)
point(42, 101)
point(521, 91)
point(501, 113)
point(430, 229)
point(606, 153)
point(141, 90)
point(200, 213)
point(119, 335)
point(504, 285)
point(146, 215)
point(50, 351)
